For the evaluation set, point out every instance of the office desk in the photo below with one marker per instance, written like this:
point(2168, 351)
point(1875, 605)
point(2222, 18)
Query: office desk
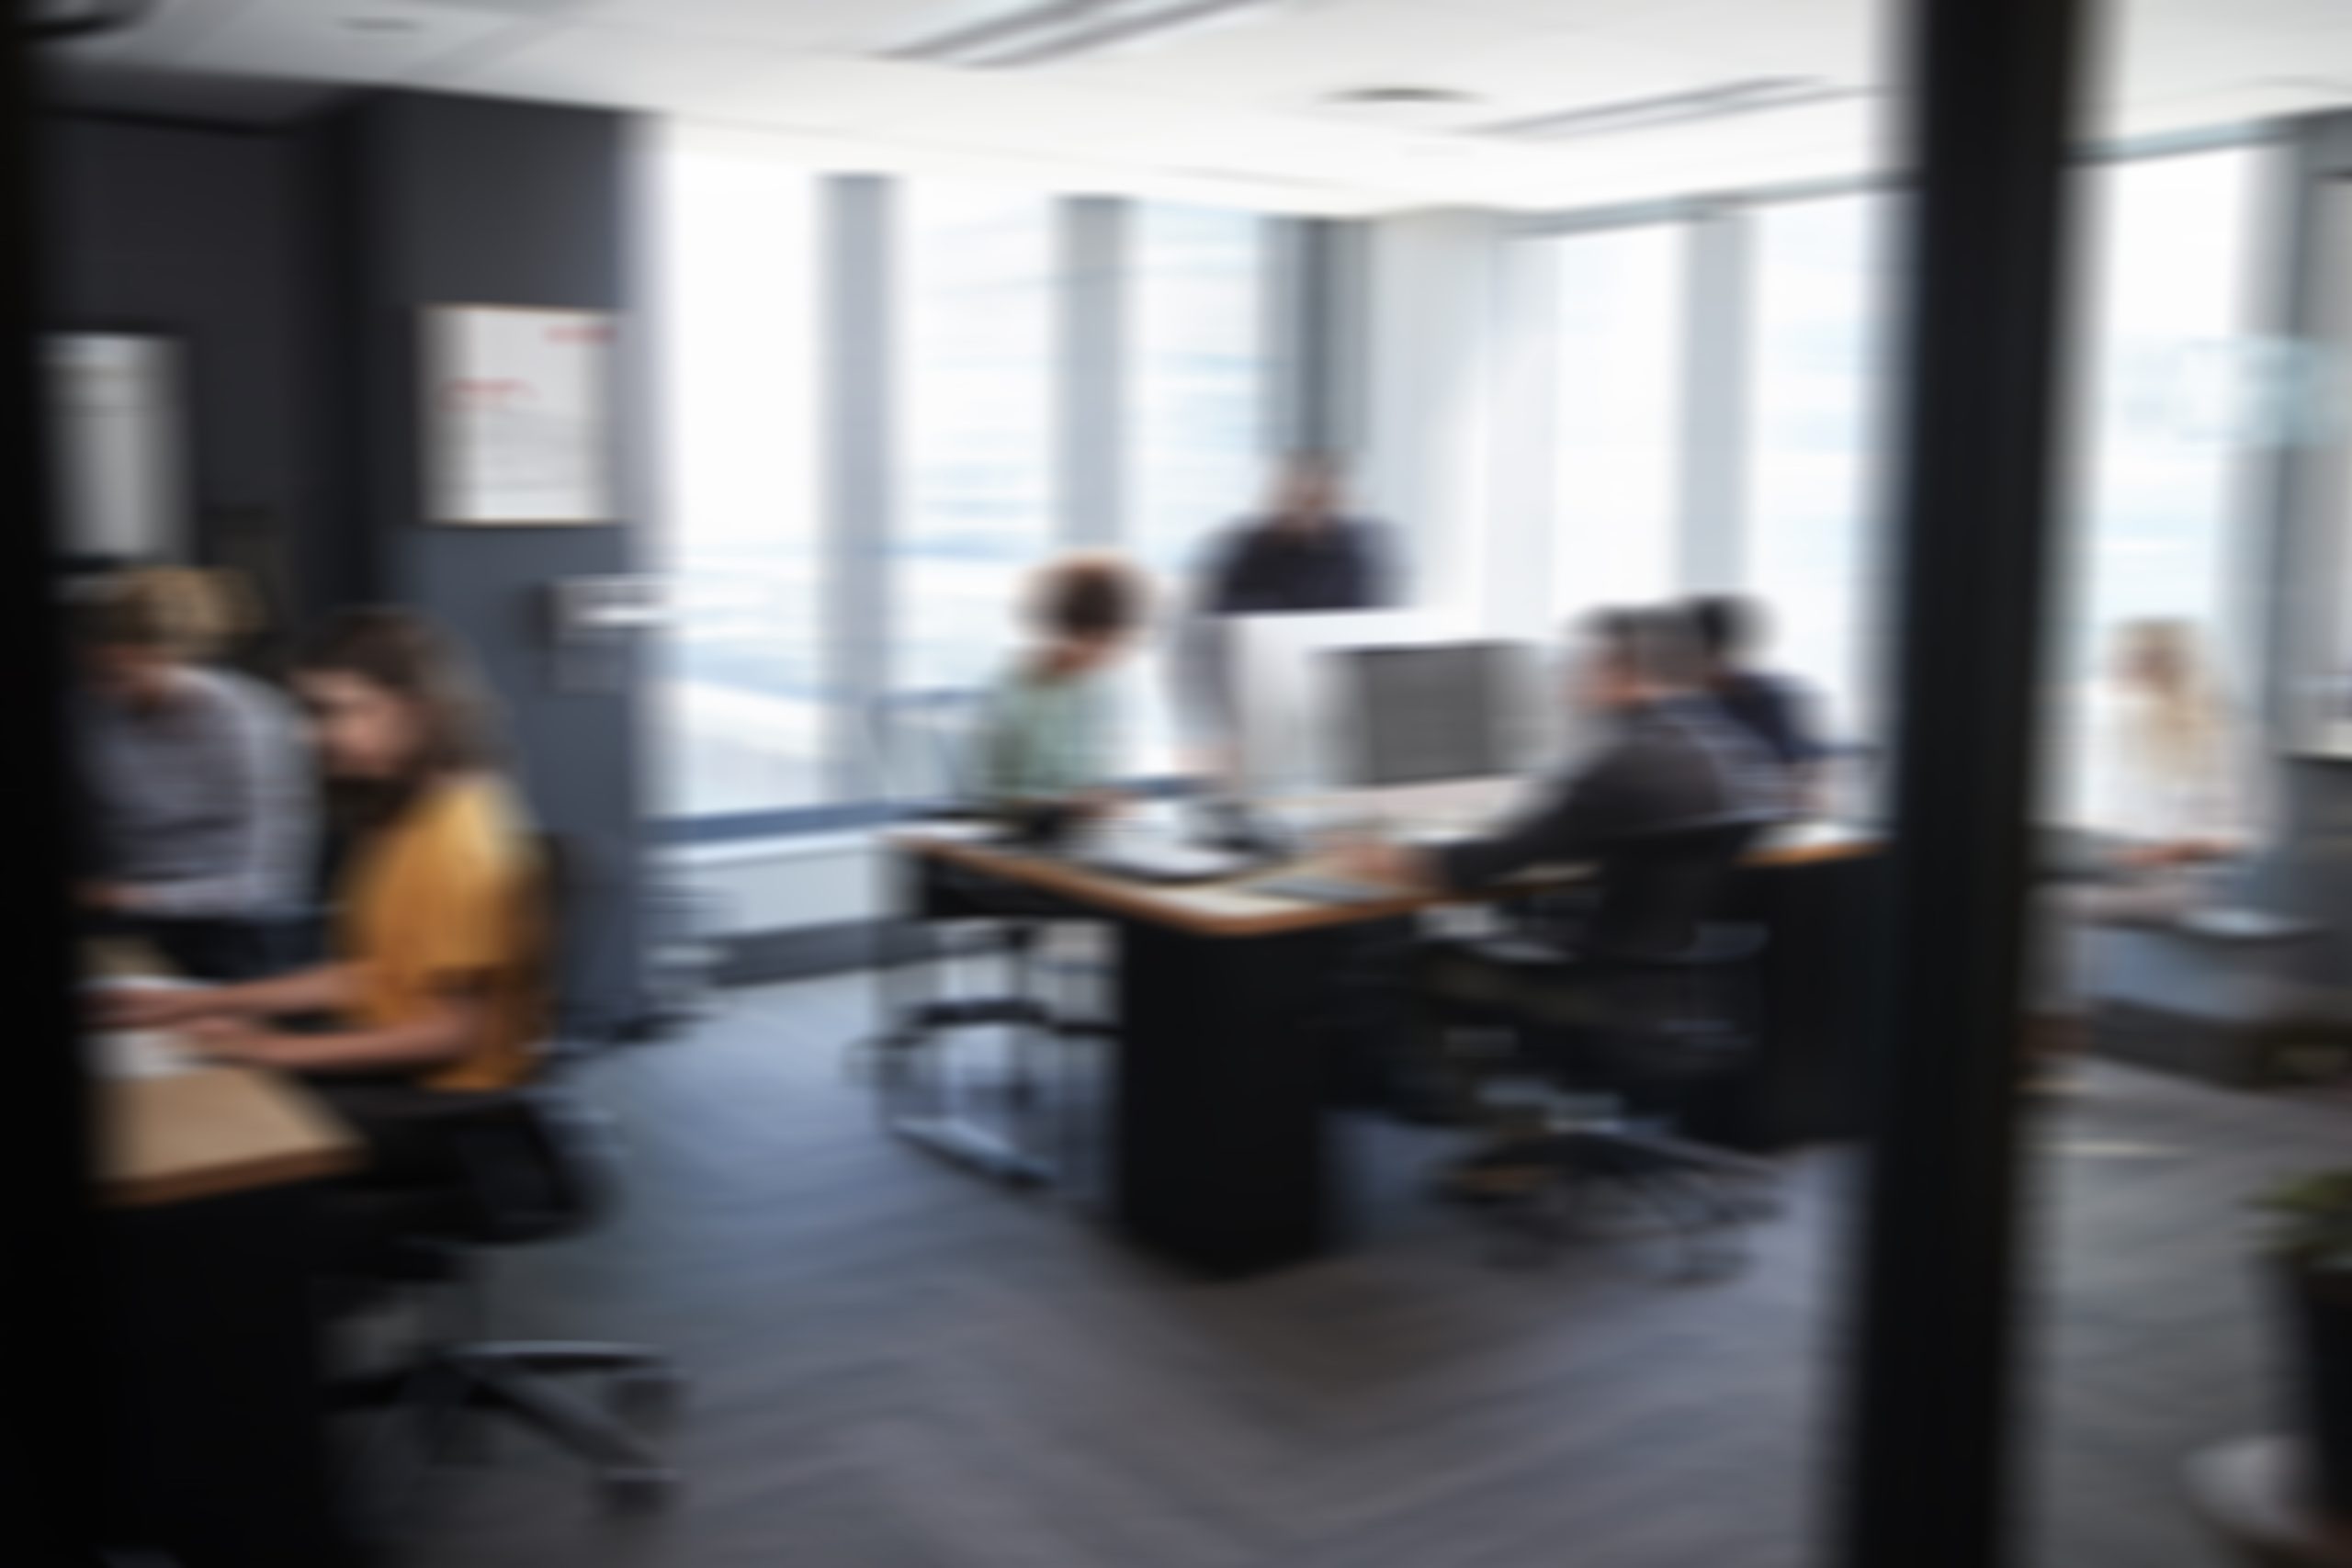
point(209, 1132)
point(1218, 1159)
point(215, 1384)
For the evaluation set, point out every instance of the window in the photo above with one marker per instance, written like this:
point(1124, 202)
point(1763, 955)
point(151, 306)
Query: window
point(1617, 412)
point(740, 683)
point(1814, 434)
point(2163, 304)
point(976, 385)
point(1196, 417)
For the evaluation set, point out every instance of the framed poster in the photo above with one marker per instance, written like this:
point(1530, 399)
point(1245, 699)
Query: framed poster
point(518, 422)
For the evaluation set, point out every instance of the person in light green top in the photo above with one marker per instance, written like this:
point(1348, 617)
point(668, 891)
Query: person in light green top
point(1045, 743)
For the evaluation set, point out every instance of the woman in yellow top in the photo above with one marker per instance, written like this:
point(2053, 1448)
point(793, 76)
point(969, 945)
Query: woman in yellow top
point(438, 977)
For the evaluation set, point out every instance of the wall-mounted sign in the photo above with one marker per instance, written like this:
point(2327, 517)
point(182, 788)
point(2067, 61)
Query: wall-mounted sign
point(120, 458)
point(518, 421)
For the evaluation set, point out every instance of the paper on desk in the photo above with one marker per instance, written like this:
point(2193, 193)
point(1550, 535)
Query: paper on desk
point(136, 1054)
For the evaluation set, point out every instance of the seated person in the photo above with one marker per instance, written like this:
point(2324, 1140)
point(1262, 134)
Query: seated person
point(1773, 707)
point(1669, 761)
point(1047, 755)
point(2167, 795)
point(437, 980)
point(201, 797)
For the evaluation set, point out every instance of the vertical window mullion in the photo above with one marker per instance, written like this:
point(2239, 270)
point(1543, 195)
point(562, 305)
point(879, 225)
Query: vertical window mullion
point(859, 437)
point(1711, 500)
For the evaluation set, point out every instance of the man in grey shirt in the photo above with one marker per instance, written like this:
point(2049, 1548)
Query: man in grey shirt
point(1670, 759)
point(199, 791)
point(1666, 760)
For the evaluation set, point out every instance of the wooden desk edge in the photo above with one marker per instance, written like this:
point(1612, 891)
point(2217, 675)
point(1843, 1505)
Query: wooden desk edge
point(1144, 901)
point(220, 1180)
point(308, 1143)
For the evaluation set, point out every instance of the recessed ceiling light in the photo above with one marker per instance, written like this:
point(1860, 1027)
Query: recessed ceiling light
point(1385, 97)
point(1406, 107)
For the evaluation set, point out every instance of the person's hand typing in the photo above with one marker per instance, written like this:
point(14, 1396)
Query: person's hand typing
point(1378, 859)
point(234, 1040)
point(123, 1007)
point(1097, 804)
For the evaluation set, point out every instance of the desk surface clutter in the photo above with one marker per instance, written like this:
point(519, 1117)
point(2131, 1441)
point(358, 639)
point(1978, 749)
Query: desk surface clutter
point(171, 1129)
point(1239, 908)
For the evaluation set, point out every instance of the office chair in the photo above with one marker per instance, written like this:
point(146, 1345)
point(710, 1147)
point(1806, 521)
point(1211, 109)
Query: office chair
point(531, 1164)
point(1610, 1029)
point(923, 744)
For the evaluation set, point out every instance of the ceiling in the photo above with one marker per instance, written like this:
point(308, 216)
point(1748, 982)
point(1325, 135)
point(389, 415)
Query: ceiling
point(1237, 113)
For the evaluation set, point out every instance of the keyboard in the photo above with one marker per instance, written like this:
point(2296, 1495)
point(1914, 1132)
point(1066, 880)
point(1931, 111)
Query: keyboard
point(1164, 861)
point(1321, 888)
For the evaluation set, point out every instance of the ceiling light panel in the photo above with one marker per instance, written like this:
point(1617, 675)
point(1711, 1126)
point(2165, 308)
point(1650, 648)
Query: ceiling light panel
point(1047, 31)
point(1722, 100)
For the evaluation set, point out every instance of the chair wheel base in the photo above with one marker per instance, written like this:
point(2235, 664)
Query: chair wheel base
point(651, 1397)
point(638, 1487)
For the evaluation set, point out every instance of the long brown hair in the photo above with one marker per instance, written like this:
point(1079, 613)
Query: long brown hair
point(407, 656)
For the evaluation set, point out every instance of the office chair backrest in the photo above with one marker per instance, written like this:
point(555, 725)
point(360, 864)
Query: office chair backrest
point(1658, 893)
point(533, 1163)
point(537, 1163)
point(923, 746)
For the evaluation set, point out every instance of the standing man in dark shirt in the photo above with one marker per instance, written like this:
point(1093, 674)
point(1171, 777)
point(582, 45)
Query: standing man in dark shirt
point(1771, 708)
point(1306, 553)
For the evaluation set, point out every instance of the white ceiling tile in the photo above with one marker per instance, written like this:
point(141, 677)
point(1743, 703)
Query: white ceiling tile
point(2248, 16)
point(357, 40)
point(1838, 39)
point(160, 38)
point(628, 69)
point(788, 24)
point(2154, 56)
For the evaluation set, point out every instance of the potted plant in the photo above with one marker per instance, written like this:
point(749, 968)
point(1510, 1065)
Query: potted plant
point(2311, 1241)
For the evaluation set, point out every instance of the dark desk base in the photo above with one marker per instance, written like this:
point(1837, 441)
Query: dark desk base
point(1805, 1083)
point(214, 1388)
point(1219, 1160)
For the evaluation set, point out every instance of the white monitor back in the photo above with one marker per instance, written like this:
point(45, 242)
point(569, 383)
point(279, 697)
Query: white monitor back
point(1289, 703)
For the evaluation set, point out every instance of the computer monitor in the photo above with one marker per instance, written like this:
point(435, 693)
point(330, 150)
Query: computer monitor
point(1285, 707)
point(1420, 714)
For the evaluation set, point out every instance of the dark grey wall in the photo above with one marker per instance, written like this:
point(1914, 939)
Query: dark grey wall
point(201, 233)
point(447, 200)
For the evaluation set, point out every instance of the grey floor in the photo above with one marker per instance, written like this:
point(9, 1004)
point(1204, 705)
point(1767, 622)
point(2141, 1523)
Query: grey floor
point(899, 1367)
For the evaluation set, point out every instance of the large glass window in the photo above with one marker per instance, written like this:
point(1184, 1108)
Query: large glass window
point(1617, 415)
point(1196, 417)
point(739, 687)
point(1814, 439)
point(976, 385)
point(2163, 303)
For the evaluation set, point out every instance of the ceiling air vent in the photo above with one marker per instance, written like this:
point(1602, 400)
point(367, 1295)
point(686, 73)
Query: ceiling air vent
point(1754, 96)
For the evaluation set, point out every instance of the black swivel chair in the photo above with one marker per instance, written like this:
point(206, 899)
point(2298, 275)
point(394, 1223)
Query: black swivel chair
point(923, 744)
point(1610, 1027)
point(529, 1164)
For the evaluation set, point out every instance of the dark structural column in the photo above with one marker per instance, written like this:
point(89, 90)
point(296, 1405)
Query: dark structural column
point(49, 1434)
point(1990, 86)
